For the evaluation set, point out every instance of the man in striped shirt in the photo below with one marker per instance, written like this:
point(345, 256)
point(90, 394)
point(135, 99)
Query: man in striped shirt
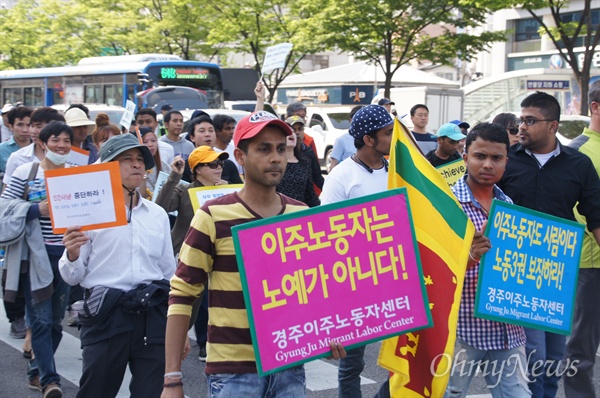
point(498, 348)
point(260, 141)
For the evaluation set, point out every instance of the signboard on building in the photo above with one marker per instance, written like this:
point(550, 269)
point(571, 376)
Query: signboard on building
point(548, 61)
point(330, 95)
point(548, 85)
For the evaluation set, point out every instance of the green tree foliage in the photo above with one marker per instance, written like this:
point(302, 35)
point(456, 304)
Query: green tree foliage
point(568, 34)
point(37, 35)
point(391, 33)
point(250, 26)
point(58, 32)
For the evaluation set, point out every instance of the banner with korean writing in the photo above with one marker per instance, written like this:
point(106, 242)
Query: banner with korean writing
point(348, 271)
point(88, 196)
point(452, 171)
point(529, 277)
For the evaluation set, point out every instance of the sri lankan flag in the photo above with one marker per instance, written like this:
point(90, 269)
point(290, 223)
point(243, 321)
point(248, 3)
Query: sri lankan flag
point(420, 362)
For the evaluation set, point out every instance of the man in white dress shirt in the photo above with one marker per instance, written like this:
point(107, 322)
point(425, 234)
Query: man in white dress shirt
point(125, 271)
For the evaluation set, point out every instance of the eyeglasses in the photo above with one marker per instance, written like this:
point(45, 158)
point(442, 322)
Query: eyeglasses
point(214, 165)
point(530, 121)
point(514, 130)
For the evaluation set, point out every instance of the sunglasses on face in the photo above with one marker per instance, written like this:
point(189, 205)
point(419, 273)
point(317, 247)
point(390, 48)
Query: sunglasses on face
point(214, 165)
point(530, 121)
point(513, 130)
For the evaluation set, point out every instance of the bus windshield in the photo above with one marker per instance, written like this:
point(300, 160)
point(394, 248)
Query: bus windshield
point(206, 79)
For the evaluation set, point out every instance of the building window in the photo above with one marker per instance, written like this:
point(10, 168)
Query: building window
point(318, 61)
point(526, 29)
point(576, 17)
point(527, 37)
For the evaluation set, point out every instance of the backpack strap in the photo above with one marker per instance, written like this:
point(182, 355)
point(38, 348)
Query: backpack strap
point(32, 174)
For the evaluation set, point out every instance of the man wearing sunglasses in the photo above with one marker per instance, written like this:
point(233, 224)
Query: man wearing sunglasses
point(546, 176)
point(448, 137)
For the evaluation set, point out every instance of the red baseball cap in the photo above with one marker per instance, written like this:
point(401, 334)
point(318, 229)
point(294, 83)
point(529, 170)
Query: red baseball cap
point(253, 124)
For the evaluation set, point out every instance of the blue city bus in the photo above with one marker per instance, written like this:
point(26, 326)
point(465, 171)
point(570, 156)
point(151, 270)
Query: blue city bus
point(112, 80)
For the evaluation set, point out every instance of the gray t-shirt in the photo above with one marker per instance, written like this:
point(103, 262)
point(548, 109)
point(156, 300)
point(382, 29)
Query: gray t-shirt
point(182, 147)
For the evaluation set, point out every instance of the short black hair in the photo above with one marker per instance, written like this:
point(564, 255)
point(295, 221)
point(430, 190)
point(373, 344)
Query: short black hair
point(243, 145)
point(19, 112)
point(196, 121)
point(546, 103)
point(488, 132)
point(146, 111)
point(46, 114)
point(414, 108)
point(354, 110)
point(506, 120)
point(219, 121)
point(169, 114)
point(80, 106)
point(359, 142)
point(54, 129)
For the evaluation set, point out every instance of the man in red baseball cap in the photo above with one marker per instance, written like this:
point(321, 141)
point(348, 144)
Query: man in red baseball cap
point(260, 141)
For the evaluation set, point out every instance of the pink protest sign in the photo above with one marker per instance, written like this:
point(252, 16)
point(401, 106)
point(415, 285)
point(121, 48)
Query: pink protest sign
point(348, 271)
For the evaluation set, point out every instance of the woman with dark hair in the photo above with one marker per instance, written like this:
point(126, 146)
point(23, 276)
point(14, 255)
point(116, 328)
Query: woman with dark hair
point(103, 131)
point(297, 180)
point(151, 141)
point(42, 279)
point(510, 123)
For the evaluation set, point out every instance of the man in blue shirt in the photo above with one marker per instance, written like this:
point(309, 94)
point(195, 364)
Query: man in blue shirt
point(343, 147)
point(18, 121)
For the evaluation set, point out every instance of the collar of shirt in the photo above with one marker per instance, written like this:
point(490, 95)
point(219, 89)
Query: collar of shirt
point(10, 142)
point(29, 151)
point(556, 151)
point(464, 195)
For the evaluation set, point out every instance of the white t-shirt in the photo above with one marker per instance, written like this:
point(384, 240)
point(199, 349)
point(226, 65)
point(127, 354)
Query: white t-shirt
point(229, 150)
point(350, 180)
point(166, 152)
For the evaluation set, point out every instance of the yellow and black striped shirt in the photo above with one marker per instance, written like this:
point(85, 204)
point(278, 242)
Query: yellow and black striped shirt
point(208, 250)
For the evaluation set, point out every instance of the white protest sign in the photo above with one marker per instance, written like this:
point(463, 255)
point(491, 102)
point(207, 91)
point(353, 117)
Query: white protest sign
point(127, 117)
point(78, 157)
point(275, 57)
point(88, 196)
point(160, 181)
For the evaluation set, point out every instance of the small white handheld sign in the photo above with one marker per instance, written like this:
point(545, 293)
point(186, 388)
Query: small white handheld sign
point(127, 117)
point(275, 57)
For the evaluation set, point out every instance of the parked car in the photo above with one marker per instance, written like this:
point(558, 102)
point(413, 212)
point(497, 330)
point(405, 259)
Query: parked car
point(114, 112)
point(324, 126)
point(570, 127)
